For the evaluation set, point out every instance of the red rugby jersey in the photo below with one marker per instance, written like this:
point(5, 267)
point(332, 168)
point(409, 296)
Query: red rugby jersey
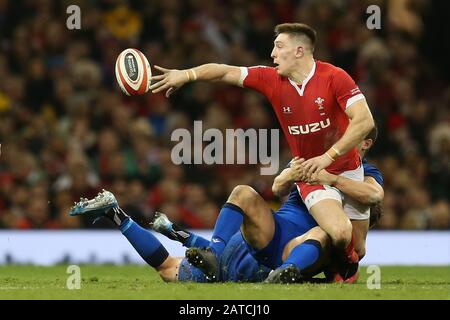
point(312, 115)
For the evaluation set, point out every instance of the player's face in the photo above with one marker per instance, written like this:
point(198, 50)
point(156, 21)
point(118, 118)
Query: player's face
point(284, 54)
point(364, 146)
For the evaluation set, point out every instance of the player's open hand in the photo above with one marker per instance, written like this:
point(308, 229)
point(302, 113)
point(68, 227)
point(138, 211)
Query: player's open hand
point(170, 80)
point(314, 165)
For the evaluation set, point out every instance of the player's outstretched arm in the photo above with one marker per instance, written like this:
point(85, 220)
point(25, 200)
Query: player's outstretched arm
point(173, 79)
point(367, 192)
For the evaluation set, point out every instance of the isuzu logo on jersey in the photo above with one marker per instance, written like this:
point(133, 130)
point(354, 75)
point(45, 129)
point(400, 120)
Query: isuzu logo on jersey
point(309, 128)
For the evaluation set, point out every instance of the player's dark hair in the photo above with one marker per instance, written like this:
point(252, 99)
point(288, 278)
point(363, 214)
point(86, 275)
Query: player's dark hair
point(373, 134)
point(298, 29)
point(376, 212)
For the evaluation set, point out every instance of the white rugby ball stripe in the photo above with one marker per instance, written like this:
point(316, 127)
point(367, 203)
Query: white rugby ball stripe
point(149, 71)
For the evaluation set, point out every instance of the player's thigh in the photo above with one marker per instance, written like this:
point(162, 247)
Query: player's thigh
point(360, 229)
point(168, 270)
point(316, 233)
point(325, 205)
point(258, 227)
point(250, 201)
point(330, 216)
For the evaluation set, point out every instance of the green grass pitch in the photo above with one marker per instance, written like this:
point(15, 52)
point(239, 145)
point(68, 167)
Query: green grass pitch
point(142, 282)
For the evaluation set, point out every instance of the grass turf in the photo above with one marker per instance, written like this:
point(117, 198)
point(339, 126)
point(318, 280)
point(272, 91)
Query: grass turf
point(142, 282)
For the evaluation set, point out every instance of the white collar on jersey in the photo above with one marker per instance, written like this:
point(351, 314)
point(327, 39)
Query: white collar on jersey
point(310, 75)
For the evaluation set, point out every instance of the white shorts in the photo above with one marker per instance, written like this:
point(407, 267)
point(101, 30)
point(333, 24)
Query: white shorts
point(354, 210)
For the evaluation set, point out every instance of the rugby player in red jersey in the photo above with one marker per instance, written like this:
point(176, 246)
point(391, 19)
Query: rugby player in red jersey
point(323, 115)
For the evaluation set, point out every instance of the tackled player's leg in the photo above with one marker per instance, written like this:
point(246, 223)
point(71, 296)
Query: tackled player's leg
point(258, 226)
point(303, 257)
point(244, 207)
point(145, 243)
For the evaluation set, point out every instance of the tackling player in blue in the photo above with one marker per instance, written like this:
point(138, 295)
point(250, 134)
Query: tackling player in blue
point(279, 240)
point(297, 254)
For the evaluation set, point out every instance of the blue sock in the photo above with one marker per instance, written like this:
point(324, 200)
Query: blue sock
point(227, 224)
point(145, 243)
point(187, 238)
point(305, 255)
point(196, 241)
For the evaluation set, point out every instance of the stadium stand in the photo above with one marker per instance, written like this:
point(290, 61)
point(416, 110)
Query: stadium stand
point(67, 131)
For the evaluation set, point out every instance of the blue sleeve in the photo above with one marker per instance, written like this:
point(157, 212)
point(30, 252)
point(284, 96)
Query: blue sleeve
point(372, 171)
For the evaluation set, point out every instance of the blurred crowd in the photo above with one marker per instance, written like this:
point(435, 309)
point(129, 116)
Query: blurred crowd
point(67, 131)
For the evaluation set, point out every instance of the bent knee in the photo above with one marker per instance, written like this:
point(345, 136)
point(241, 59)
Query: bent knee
point(361, 251)
point(320, 235)
point(243, 196)
point(341, 236)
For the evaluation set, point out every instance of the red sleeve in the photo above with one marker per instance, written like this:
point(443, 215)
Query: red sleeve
point(345, 89)
point(261, 79)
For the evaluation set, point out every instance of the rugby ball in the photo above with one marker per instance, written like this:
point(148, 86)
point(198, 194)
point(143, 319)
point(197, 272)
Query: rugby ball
point(133, 72)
